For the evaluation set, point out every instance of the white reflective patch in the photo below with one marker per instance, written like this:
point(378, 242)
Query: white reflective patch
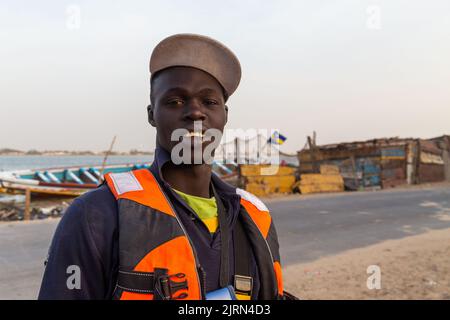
point(125, 182)
point(252, 198)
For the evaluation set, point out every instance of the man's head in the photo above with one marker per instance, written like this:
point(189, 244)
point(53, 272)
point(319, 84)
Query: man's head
point(181, 96)
point(192, 78)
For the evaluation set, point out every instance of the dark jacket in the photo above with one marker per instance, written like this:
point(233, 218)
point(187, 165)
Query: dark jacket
point(87, 237)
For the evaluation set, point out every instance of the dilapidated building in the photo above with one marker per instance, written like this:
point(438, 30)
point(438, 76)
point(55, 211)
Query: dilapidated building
point(382, 163)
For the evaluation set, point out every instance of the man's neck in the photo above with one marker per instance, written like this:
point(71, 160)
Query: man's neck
point(191, 179)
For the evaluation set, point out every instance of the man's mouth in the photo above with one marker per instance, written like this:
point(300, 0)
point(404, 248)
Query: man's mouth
point(194, 134)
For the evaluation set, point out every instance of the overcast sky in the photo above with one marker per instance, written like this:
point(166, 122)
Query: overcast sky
point(350, 70)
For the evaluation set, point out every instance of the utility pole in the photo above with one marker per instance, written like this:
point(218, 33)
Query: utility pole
point(312, 148)
point(236, 150)
point(258, 146)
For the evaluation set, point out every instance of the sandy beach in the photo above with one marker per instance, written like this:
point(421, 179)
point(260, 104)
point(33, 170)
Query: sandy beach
point(416, 267)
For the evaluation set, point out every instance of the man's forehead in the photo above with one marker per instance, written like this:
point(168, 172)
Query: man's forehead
point(185, 79)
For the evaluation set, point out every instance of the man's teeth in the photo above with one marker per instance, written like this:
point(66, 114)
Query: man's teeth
point(194, 134)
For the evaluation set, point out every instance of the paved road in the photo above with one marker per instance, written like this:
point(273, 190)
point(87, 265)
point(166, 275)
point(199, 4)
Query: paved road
point(322, 225)
point(23, 248)
point(308, 227)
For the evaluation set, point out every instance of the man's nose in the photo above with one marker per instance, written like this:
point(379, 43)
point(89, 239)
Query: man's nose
point(194, 111)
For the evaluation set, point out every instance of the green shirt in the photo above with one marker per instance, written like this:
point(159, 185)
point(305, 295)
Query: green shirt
point(205, 208)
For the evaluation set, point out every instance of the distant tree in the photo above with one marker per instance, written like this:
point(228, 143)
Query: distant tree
point(33, 152)
point(9, 151)
point(134, 152)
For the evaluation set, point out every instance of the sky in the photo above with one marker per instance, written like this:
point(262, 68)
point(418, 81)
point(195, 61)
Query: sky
point(75, 73)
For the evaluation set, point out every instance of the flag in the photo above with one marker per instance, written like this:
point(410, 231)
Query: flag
point(277, 138)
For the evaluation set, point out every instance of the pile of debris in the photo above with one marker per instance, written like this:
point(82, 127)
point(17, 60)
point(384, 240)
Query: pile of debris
point(13, 212)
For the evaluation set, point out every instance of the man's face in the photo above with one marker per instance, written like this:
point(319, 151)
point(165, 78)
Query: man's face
point(182, 96)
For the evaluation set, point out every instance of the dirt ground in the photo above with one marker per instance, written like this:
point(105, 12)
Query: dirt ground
point(416, 267)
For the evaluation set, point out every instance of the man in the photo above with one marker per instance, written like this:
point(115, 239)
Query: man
point(175, 231)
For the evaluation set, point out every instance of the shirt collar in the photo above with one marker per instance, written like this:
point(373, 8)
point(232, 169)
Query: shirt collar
point(161, 157)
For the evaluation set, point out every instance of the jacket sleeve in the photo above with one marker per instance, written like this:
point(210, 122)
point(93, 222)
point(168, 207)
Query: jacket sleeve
point(75, 267)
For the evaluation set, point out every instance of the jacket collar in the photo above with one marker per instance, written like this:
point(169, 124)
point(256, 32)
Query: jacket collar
point(162, 156)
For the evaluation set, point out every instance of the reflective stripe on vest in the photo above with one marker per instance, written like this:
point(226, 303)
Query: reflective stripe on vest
point(140, 199)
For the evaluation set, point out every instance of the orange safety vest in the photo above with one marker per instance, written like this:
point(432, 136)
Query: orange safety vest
point(154, 247)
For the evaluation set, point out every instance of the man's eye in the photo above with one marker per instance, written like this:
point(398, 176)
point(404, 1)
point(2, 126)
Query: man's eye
point(175, 102)
point(211, 102)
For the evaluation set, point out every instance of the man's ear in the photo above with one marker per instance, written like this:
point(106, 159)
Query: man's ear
point(226, 114)
point(151, 119)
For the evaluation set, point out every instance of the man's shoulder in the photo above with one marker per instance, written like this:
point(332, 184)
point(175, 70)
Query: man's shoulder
point(97, 206)
point(86, 237)
point(101, 197)
point(254, 200)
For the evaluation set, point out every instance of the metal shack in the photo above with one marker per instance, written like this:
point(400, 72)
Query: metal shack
point(434, 156)
point(382, 163)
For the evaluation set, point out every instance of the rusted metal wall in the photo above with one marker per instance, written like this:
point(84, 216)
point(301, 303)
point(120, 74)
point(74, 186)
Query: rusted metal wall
point(357, 173)
point(431, 173)
point(373, 163)
point(447, 165)
point(383, 162)
point(431, 163)
point(443, 143)
point(393, 166)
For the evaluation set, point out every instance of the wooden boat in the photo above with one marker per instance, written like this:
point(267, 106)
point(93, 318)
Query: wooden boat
point(75, 181)
point(71, 181)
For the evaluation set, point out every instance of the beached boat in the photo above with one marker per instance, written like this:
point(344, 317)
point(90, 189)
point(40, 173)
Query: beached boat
point(68, 181)
point(75, 181)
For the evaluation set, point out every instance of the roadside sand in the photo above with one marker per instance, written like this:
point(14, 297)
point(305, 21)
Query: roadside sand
point(416, 267)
